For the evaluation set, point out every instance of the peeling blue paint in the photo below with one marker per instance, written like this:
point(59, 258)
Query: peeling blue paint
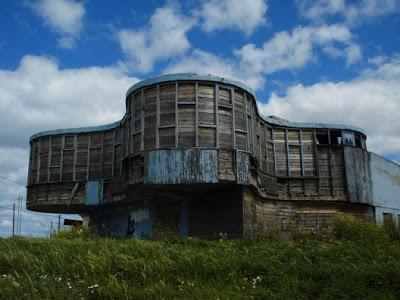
point(181, 166)
point(242, 167)
point(94, 191)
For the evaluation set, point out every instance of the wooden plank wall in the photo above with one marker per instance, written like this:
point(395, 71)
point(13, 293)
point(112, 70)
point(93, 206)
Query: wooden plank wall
point(194, 114)
point(76, 157)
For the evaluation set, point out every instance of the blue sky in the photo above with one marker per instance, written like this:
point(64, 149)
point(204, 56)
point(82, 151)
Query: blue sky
point(67, 63)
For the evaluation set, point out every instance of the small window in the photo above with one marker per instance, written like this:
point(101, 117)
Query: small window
point(348, 138)
point(336, 137)
point(322, 137)
point(357, 140)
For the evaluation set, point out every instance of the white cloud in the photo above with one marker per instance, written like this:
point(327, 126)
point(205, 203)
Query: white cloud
point(232, 14)
point(38, 95)
point(284, 51)
point(63, 16)
point(164, 37)
point(352, 12)
point(370, 101)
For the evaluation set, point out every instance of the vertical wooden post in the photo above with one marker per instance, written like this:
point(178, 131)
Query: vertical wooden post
point(197, 113)
point(75, 157)
point(176, 116)
point(142, 123)
point(62, 156)
point(158, 116)
point(232, 95)
point(246, 121)
point(49, 160)
point(216, 98)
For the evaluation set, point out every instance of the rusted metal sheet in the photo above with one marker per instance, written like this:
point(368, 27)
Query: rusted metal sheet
point(181, 166)
point(242, 167)
point(358, 175)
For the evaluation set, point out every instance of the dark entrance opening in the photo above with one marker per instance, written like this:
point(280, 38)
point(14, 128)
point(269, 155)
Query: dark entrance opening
point(166, 221)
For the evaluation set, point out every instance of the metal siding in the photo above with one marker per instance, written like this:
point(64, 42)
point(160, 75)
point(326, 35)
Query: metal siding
point(181, 166)
point(358, 175)
point(385, 177)
point(242, 167)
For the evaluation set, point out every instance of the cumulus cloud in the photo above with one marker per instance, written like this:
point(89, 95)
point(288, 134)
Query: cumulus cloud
point(232, 14)
point(63, 16)
point(369, 101)
point(284, 51)
point(39, 95)
point(352, 12)
point(164, 37)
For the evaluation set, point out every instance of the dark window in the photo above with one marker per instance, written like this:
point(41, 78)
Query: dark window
point(357, 139)
point(322, 138)
point(336, 137)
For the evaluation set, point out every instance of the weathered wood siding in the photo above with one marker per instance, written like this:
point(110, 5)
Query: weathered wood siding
point(181, 166)
point(281, 162)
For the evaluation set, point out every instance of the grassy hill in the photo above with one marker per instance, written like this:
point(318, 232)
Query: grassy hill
point(354, 262)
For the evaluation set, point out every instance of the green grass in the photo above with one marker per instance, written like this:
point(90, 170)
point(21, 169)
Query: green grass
point(356, 261)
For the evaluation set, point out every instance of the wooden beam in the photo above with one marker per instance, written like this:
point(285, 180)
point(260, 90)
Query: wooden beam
point(62, 156)
point(75, 157)
point(88, 158)
point(142, 124)
point(196, 94)
point(176, 115)
point(245, 120)
point(232, 95)
point(302, 153)
point(287, 152)
point(316, 161)
point(157, 116)
point(216, 98)
point(273, 148)
point(49, 160)
point(39, 159)
point(113, 155)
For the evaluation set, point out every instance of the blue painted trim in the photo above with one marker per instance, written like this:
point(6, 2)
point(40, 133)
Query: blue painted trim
point(75, 130)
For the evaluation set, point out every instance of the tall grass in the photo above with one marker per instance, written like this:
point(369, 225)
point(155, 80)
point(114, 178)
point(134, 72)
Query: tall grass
point(355, 261)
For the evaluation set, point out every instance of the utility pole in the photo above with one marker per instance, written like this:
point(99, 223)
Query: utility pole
point(20, 215)
point(13, 227)
point(59, 222)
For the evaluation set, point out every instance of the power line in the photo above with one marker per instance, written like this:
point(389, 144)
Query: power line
point(13, 181)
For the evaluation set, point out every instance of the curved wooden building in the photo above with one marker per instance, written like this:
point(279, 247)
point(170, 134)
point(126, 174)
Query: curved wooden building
point(193, 156)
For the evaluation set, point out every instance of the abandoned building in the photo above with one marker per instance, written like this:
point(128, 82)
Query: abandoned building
point(192, 156)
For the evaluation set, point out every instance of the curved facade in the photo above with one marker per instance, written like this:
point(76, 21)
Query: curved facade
point(193, 156)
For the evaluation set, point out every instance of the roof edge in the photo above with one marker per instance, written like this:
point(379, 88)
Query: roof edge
point(188, 77)
point(75, 130)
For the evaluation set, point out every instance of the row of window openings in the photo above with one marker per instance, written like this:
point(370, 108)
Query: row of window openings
point(336, 137)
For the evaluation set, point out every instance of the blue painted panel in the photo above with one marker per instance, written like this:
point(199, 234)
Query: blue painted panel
point(94, 189)
point(182, 166)
point(242, 167)
point(114, 221)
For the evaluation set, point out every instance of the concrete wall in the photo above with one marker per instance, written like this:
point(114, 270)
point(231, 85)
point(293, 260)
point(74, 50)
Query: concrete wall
point(385, 178)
